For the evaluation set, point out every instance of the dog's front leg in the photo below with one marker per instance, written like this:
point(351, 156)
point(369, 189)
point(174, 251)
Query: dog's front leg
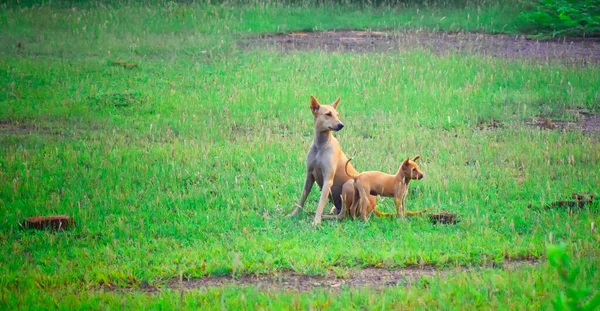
point(399, 206)
point(399, 196)
point(308, 183)
point(327, 183)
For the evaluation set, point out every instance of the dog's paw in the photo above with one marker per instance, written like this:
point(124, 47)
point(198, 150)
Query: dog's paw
point(315, 223)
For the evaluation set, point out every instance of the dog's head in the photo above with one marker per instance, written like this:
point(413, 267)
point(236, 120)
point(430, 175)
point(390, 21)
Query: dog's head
point(326, 116)
point(410, 169)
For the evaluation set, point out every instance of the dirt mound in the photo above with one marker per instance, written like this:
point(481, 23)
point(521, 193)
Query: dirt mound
point(573, 50)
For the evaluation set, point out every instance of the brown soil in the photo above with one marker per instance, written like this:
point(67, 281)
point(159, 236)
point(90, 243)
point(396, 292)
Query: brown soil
point(591, 124)
point(47, 127)
point(490, 125)
point(587, 122)
point(12, 127)
point(370, 277)
point(367, 277)
point(573, 50)
point(61, 222)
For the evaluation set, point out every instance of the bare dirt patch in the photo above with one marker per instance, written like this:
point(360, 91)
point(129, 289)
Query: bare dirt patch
point(579, 201)
point(291, 281)
point(573, 49)
point(369, 277)
point(21, 127)
point(491, 124)
point(47, 127)
point(585, 121)
point(591, 124)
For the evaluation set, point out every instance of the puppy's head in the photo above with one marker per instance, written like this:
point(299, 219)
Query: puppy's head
point(410, 169)
point(326, 116)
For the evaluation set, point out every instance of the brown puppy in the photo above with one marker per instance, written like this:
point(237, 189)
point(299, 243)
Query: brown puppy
point(386, 185)
point(325, 160)
point(348, 199)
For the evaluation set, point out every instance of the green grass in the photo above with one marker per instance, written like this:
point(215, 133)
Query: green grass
point(191, 160)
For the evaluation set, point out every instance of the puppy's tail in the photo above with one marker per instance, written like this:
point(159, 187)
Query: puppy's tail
point(416, 213)
point(346, 169)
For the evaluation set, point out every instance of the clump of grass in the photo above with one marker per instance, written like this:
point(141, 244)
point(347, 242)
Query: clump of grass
point(117, 100)
point(561, 18)
point(576, 295)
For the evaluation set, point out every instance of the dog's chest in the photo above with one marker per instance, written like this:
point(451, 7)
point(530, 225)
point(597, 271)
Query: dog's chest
point(319, 157)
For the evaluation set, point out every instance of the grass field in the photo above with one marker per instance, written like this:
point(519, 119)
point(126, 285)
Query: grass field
point(185, 165)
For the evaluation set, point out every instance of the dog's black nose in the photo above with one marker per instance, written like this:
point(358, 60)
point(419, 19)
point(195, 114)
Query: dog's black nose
point(340, 126)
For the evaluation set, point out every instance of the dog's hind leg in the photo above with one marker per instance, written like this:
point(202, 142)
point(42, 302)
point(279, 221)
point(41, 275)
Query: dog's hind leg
point(308, 183)
point(355, 202)
point(364, 202)
point(339, 216)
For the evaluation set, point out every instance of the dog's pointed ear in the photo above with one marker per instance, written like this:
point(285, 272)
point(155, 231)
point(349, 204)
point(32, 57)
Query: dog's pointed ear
point(416, 158)
point(405, 163)
point(314, 104)
point(336, 103)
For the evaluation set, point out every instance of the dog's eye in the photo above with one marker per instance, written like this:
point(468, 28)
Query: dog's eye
point(328, 114)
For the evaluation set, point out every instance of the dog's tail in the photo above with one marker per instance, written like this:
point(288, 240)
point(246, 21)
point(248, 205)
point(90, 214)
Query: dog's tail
point(346, 169)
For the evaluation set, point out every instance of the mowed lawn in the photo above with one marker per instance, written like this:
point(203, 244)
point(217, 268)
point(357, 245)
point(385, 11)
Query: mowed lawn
point(186, 164)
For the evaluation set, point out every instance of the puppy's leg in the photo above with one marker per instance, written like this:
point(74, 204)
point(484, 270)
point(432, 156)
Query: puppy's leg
point(355, 202)
point(364, 201)
point(399, 200)
point(399, 207)
point(403, 205)
point(337, 200)
point(308, 183)
point(332, 210)
point(347, 196)
point(341, 215)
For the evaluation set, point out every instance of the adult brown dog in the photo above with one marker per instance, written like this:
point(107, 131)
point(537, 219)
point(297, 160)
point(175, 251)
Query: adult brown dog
point(326, 162)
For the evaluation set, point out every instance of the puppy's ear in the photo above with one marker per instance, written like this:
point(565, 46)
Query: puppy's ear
point(336, 103)
point(314, 104)
point(405, 163)
point(416, 158)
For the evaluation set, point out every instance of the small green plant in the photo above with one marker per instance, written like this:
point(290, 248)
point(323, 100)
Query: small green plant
point(559, 18)
point(574, 297)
